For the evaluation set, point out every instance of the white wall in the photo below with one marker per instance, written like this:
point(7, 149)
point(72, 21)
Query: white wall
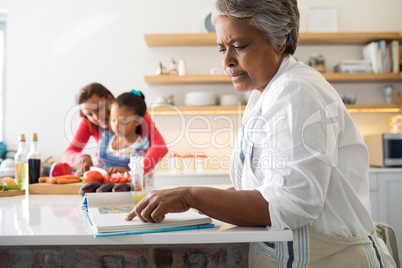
point(57, 47)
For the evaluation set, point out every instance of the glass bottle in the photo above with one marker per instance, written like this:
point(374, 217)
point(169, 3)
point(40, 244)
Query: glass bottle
point(21, 163)
point(320, 64)
point(137, 173)
point(137, 177)
point(34, 161)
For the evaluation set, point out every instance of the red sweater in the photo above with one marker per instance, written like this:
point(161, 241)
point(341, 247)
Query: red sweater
point(86, 129)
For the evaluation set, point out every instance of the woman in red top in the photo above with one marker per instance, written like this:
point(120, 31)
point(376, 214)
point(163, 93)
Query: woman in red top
point(95, 100)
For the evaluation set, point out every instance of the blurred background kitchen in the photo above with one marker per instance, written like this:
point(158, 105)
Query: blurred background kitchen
point(54, 48)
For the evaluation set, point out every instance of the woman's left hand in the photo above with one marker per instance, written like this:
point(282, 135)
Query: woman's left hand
point(158, 203)
point(113, 170)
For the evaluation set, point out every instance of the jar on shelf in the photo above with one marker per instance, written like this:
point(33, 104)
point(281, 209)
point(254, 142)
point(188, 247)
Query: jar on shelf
point(188, 163)
point(201, 164)
point(395, 124)
point(317, 62)
point(176, 164)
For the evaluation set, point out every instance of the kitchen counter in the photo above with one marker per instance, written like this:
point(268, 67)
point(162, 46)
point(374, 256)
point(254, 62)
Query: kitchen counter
point(385, 169)
point(163, 179)
point(58, 220)
point(191, 178)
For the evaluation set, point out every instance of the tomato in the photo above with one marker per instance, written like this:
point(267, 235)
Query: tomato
point(60, 169)
point(117, 177)
point(106, 178)
point(93, 175)
point(125, 178)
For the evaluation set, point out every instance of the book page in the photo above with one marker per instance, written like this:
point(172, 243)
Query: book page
point(111, 219)
point(110, 199)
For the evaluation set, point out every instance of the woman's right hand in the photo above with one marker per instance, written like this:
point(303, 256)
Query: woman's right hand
point(83, 163)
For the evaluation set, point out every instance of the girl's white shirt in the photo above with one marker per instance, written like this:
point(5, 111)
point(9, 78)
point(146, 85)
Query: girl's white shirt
point(126, 152)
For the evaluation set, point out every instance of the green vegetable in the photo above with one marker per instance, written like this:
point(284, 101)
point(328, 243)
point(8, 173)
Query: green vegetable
point(5, 187)
point(15, 187)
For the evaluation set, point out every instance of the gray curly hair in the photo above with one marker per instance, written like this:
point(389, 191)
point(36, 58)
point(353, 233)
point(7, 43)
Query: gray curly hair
point(277, 19)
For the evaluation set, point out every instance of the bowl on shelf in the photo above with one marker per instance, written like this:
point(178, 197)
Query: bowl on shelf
point(200, 98)
point(229, 100)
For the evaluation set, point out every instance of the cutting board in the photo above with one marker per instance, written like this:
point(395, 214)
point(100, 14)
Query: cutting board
point(12, 193)
point(45, 188)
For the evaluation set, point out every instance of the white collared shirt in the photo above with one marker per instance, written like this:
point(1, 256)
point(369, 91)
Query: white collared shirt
point(308, 157)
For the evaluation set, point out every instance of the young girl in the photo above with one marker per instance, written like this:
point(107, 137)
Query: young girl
point(126, 120)
point(95, 101)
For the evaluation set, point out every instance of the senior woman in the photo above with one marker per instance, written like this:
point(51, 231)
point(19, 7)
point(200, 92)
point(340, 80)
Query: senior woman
point(299, 160)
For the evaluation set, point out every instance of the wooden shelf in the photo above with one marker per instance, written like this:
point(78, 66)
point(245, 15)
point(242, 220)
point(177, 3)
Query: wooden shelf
point(238, 109)
point(362, 77)
point(309, 39)
point(180, 40)
point(224, 79)
point(187, 79)
point(374, 108)
point(316, 39)
point(197, 110)
point(319, 39)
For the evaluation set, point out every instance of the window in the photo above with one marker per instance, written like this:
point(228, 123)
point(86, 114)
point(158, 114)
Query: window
point(3, 36)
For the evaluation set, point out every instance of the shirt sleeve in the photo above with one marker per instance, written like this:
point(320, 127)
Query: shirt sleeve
point(297, 148)
point(84, 132)
point(157, 149)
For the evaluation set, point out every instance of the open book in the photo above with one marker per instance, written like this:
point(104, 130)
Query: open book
point(106, 213)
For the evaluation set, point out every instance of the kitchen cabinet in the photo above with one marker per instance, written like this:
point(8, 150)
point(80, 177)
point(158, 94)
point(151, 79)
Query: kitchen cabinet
point(306, 39)
point(386, 199)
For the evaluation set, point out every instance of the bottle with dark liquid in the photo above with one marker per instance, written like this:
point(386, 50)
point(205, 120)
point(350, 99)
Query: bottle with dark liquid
point(34, 161)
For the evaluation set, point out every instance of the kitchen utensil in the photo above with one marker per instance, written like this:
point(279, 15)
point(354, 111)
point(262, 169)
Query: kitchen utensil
point(46, 188)
point(11, 193)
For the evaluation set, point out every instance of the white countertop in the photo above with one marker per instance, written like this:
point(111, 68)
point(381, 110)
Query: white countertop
point(210, 178)
point(385, 169)
point(191, 178)
point(58, 220)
